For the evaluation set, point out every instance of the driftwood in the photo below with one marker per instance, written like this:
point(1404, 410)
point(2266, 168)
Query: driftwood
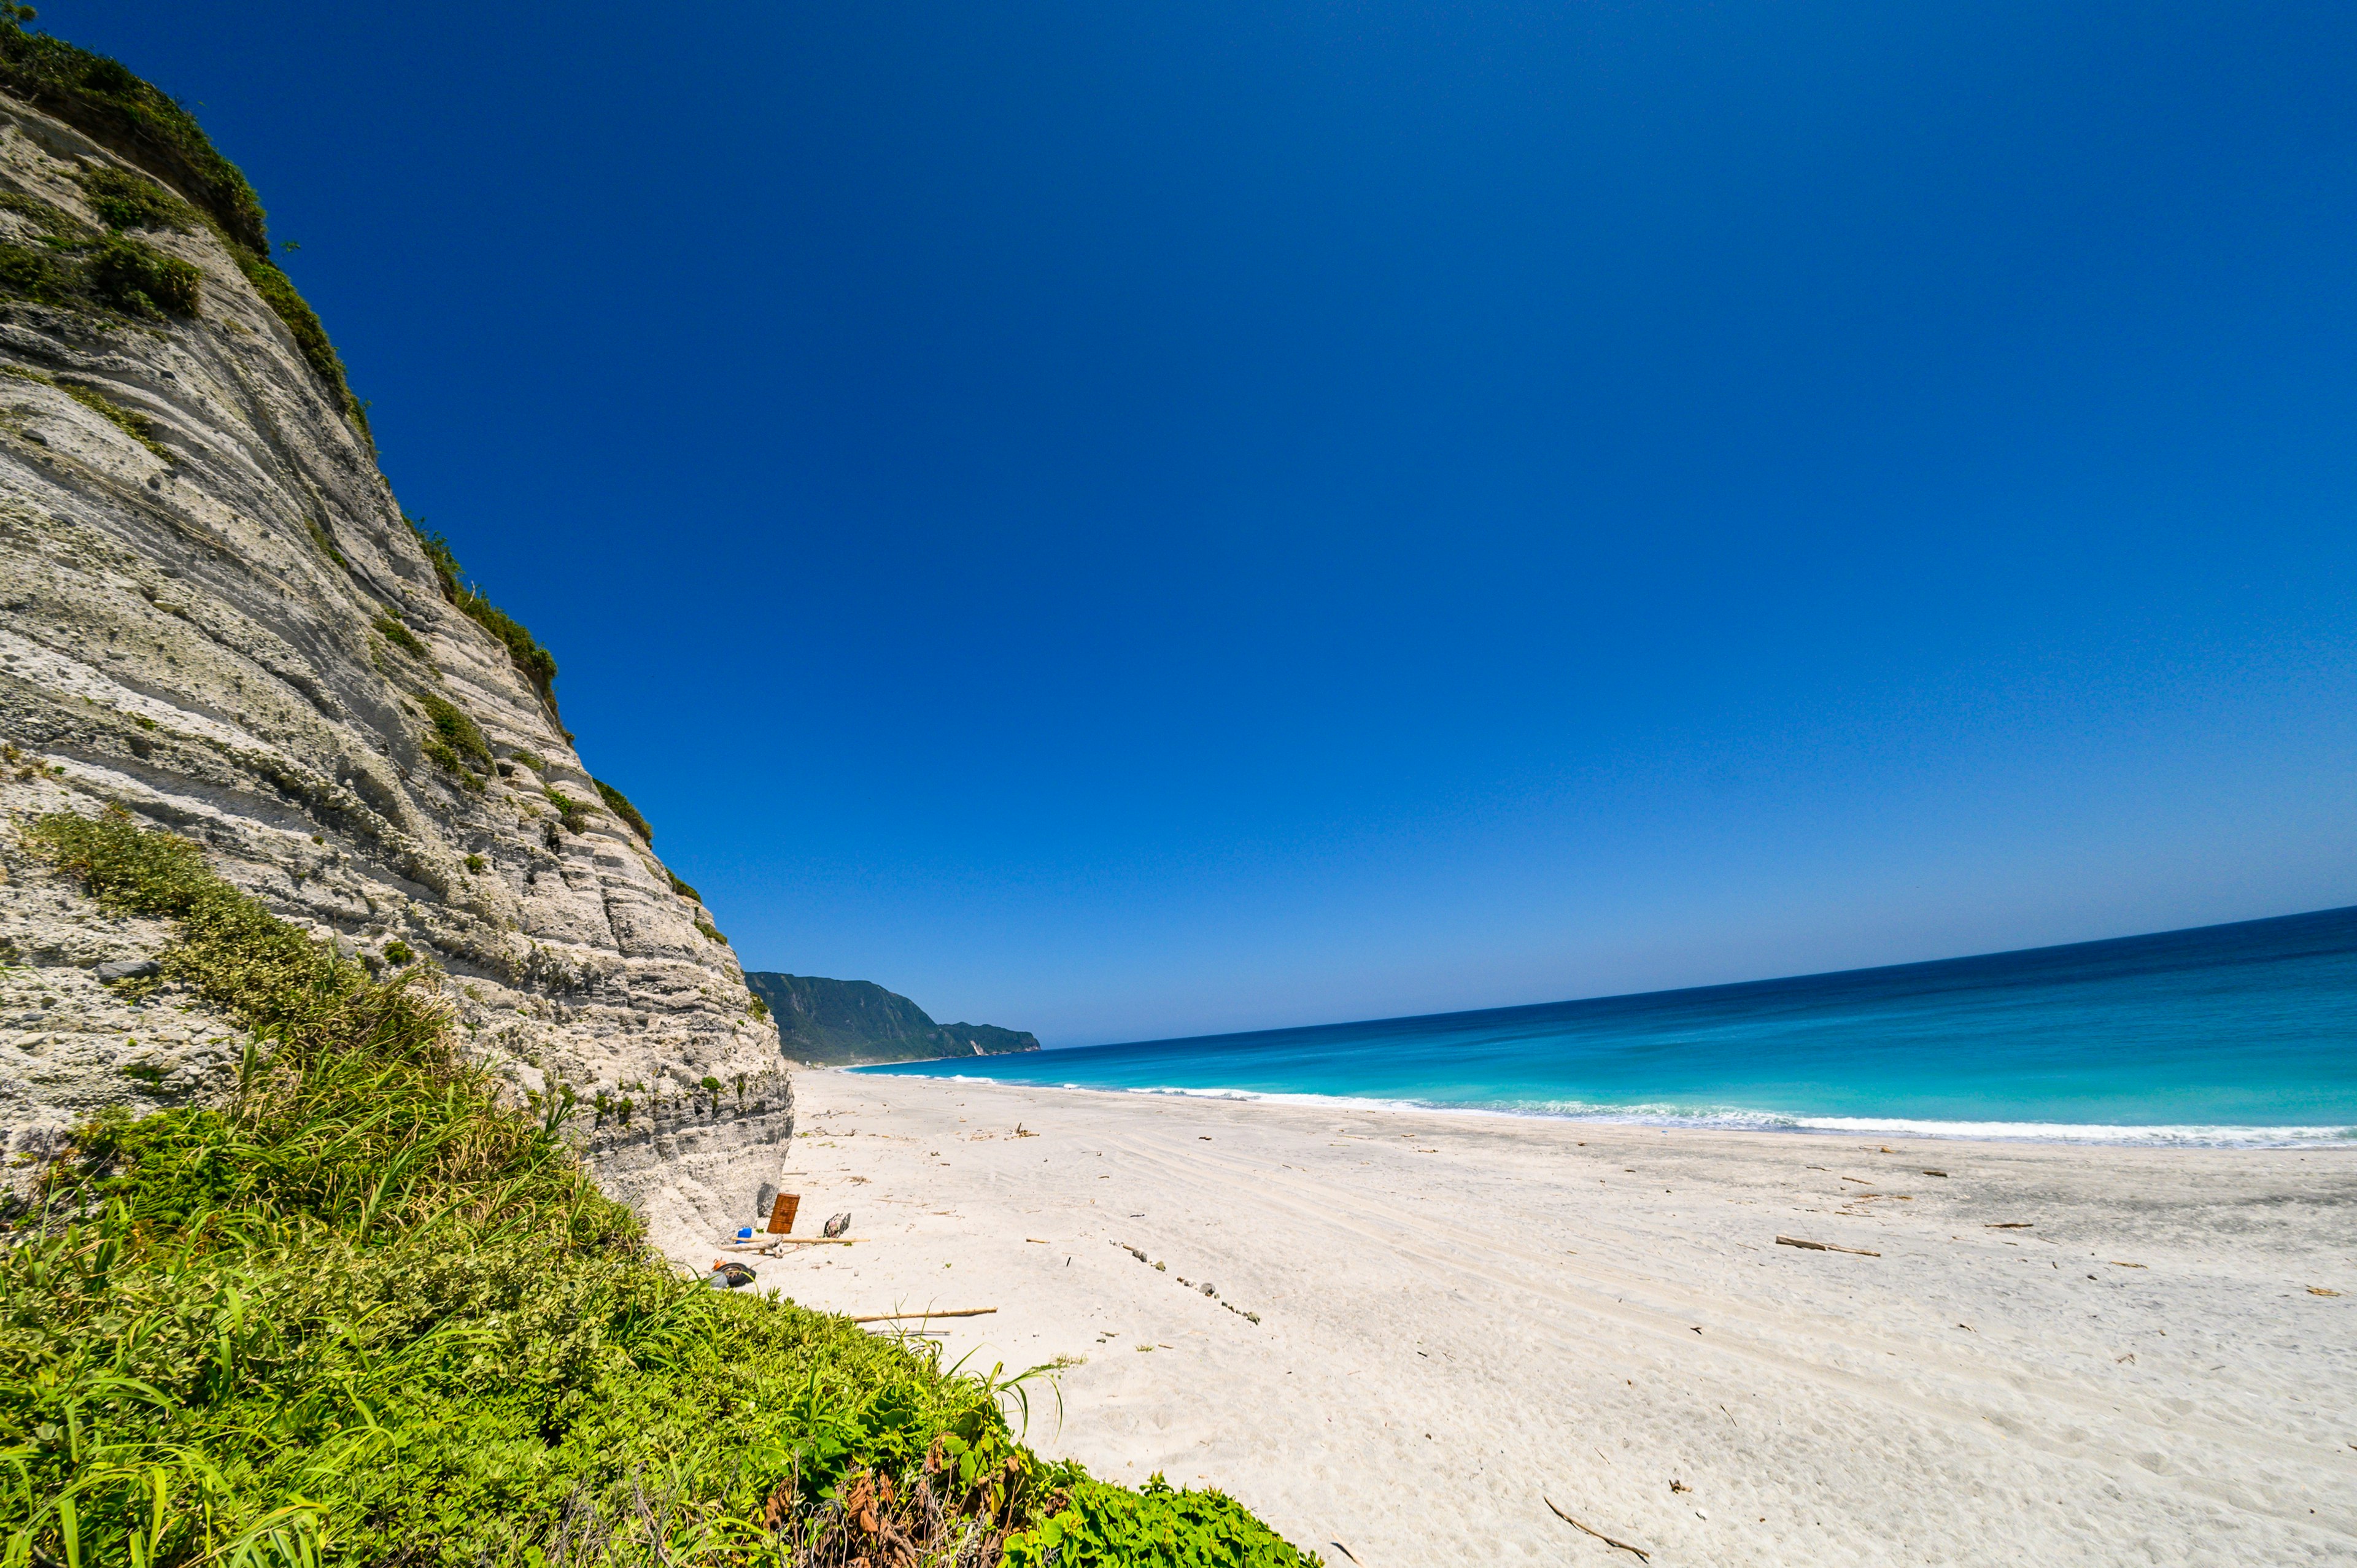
point(1823, 1247)
point(1344, 1551)
point(894, 1317)
point(1642, 1555)
point(2011, 1225)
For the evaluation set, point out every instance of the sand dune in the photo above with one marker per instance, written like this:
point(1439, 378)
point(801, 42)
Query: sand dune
point(1462, 1318)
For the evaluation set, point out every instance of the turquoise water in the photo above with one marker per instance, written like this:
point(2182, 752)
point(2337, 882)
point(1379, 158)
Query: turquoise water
point(2228, 1035)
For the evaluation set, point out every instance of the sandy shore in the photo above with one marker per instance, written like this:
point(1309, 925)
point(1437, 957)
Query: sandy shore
point(1461, 1317)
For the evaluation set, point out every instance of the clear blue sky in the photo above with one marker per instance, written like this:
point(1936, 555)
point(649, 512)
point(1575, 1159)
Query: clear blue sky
point(1139, 520)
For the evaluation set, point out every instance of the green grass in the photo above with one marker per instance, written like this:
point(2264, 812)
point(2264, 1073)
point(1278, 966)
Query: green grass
point(138, 426)
point(364, 1315)
point(619, 804)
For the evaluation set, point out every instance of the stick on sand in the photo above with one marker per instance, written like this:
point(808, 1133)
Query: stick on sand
point(895, 1317)
point(1642, 1555)
point(1823, 1246)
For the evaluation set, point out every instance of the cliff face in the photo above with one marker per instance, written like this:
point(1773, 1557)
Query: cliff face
point(843, 1021)
point(213, 615)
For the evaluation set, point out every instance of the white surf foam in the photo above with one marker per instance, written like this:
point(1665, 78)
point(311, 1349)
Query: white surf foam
point(1743, 1119)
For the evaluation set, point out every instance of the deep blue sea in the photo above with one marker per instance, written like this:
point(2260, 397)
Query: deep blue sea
point(2228, 1035)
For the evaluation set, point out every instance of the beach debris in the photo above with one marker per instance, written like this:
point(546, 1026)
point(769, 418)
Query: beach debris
point(2319, 1290)
point(837, 1225)
point(1935, 1173)
point(1037, 1240)
point(2130, 1358)
point(2010, 1225)
point(2117, 1265)
point(1345, 1552)
point(1678, 1485)
point(1206, 1288)
point(784, 1207)
point(127, 969)
point(765, 1197)
point(1253, 1317)
point(730, 1276)
point(1642, 1554)
point(1859, 1179)
point(897, 1316)
point(1020, 1133)
point(1823, 1246)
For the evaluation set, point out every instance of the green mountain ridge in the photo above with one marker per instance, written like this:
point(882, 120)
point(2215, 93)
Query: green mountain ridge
point(840, 1022)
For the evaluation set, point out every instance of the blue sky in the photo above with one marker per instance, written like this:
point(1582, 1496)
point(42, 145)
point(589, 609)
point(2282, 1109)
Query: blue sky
point(1130, 521)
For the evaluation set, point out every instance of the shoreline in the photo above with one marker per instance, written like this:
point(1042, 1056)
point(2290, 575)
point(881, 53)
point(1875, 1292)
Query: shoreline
point(2051, 1352)
point(2327, 1136)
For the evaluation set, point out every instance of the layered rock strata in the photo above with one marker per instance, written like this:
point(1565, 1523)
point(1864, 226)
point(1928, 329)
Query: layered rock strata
point(213, 613)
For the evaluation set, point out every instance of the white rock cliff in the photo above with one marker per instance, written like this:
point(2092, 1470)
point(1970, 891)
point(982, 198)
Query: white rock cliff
point(204, 621)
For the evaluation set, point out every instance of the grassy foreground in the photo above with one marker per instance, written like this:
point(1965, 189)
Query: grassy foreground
point(364, 1314)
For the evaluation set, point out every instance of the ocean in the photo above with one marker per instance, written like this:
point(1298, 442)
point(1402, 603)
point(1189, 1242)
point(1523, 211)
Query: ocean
point(2242, 1035)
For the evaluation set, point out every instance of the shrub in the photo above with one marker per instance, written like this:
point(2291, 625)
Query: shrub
point(36, 275)
point(105, 100)
point(533, 661)
point(140, 280)
point(364, 1314)
point(123, 201)
point(475, 863)
point(1104, 1526)
point(391, 627)
point(568, 809)
point(399, 954)
point(455, 739)
point(277, 291)
point(620, 806)
point(711, 933)
point(682, 888)
point(530, 760)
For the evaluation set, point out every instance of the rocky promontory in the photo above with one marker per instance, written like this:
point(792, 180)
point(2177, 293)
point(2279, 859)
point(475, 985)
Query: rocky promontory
point(842, 1022)
point(214, 616)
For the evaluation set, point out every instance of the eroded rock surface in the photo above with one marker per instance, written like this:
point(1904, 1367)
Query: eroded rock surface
point(215, 622)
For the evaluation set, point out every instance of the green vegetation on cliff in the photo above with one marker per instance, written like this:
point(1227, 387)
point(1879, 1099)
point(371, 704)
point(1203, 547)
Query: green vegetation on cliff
point(535, 663)
point(619, 804)
point(108, 103)
point(365, 1315)
point(843, 1021)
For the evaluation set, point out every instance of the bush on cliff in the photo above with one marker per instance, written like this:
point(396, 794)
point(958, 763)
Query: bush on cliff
point(363, 1314)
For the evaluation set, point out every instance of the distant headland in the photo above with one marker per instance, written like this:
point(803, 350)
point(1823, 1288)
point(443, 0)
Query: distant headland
point(837, 1023)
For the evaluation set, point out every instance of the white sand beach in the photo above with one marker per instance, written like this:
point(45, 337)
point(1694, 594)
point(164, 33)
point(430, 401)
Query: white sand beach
point(1463, 1318)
